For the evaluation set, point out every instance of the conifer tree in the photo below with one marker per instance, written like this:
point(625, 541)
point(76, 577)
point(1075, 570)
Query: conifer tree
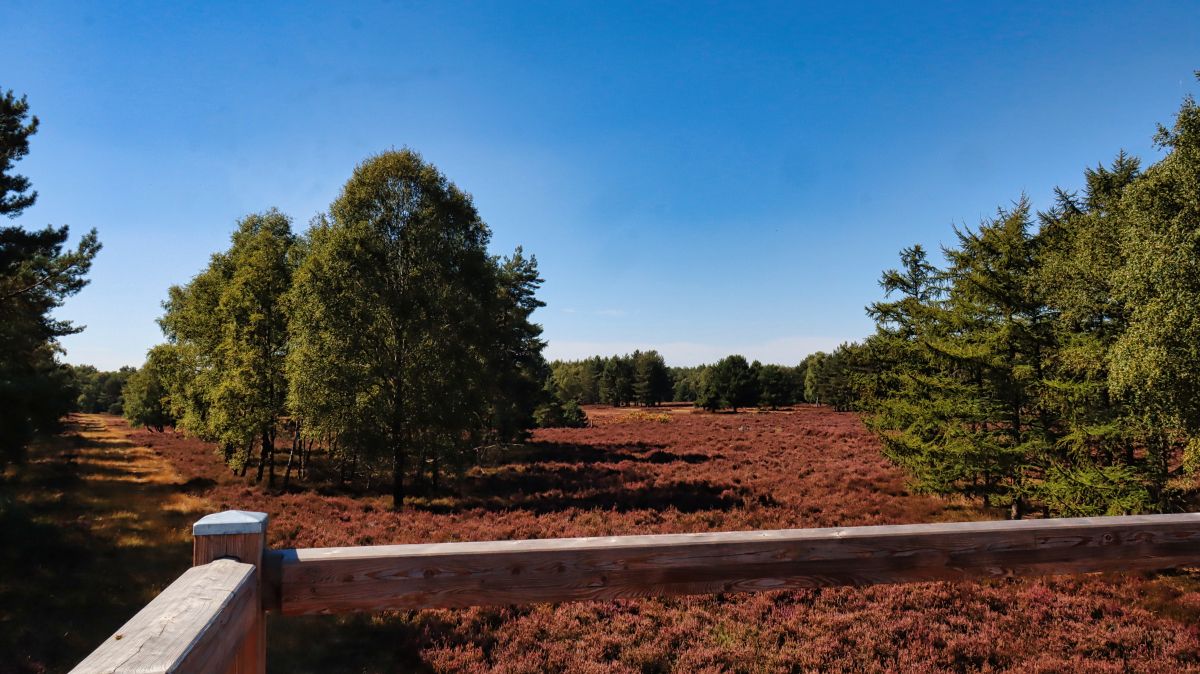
point(1155, 360)
point(775, 386)
point(616, 381)
point(37, 273)
point(651, 381)
point(518, 369)
point(731, 382)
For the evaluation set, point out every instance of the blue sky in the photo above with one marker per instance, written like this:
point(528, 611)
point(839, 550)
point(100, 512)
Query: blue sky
point(700, 178)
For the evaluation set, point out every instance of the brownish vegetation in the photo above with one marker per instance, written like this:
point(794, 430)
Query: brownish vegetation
point(695, 472)
point(92, 527)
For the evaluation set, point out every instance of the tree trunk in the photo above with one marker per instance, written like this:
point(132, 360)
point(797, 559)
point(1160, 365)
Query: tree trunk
point(1017, 511)
point(287, 472)
point(265, 447)
point(245, 460)
point(269, 437)
point(398, 478)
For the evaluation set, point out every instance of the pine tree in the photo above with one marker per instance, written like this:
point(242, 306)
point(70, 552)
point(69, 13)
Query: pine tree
point(518, 370)
point(651, 381)
point(775, 386)
point(37, 273)
point(15, 195)
point(967, 414)
point(616, 381)
point(731, 382)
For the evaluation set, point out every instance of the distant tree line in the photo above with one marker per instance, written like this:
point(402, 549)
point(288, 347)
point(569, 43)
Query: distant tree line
point(385, 337)
point(99, 391)
point(640, 378)
point(643, 378)
point(37, 273)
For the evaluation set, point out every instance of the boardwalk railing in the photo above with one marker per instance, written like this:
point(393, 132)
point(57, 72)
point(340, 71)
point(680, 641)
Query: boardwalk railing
point(201, 622)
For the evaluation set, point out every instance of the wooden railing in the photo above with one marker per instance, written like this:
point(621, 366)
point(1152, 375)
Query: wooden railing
point(212, 618)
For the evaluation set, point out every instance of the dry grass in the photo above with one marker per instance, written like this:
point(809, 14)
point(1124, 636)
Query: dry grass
point(94, 526)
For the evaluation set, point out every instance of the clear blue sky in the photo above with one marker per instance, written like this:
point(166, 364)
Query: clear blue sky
point(701, 178)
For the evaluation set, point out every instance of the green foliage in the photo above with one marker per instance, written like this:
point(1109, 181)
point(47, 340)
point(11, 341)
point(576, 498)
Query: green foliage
point(578, 380)
point(640, 378)
point(814, 377)
point(559, 414)
point(776, 386)
point(37, 273)
point(732, 383)
point(517, 368)
point(687, 383)
point(386, 334)
point(1088, 490)
point(1156, 359)
point(14, 145)
point(643, 378)
point(100, 391)
point(835, 379)
point(145, 395)
point(1051, 368)
point(651, 380)
point(410, 345)
point(966, 418)
point(616, 381)
point(228, 338)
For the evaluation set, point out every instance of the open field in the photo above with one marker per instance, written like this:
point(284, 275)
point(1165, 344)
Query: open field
point(634, 471)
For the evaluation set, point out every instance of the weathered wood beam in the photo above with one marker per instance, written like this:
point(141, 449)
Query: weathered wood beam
point(448, 575)
point(195, 625)
point(240, 535)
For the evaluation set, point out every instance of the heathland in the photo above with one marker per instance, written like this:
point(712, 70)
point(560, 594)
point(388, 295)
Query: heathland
point(111, 504)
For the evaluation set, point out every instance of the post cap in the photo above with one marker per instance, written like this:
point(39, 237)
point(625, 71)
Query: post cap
point(230, 522)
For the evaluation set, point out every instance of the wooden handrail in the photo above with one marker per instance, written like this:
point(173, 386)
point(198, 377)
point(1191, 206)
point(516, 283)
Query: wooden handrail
point(449, 575)
point(211, 618)
point(240, 535)
point(195, 625)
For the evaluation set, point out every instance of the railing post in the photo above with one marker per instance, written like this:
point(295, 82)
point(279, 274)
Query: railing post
point(239, 535)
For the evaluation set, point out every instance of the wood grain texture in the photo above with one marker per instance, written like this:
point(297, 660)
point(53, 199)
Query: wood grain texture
point(449, 575)
point(247, 548)
point(195, 625)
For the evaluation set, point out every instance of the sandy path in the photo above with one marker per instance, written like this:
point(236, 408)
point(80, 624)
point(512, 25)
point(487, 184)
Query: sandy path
point(103, 525)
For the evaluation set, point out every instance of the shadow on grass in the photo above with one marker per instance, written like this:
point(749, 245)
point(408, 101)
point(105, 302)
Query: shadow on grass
point(543, 489)
point(79, 556)
point(507, 480)
point(638, 452)
point(350, 643)
point(382, 642)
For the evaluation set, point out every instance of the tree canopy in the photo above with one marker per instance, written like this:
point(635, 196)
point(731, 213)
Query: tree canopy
point(1050, 365)
point(37, 273)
